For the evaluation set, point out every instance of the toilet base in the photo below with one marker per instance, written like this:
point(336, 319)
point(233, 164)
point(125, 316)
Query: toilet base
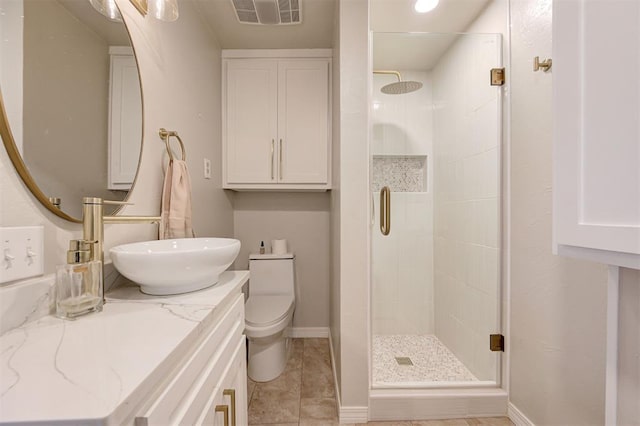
point(267, 358)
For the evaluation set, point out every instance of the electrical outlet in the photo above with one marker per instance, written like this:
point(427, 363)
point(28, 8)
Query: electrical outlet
point(207, 168)
point(21, 252)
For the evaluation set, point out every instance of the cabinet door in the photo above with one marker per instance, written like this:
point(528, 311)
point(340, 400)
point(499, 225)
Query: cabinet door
point(303, 124)
point(251, 117)
point(125, 125)
point(233, 382)
point(596, 64)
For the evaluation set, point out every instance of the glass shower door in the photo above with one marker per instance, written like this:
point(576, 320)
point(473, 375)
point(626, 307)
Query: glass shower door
point(435, 275)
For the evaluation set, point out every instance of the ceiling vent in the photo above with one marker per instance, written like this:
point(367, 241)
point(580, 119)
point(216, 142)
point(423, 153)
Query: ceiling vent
point(268, 12)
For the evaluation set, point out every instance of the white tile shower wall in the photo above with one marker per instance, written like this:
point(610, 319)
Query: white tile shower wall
point(402, 263)
point(403, 267)
point(466, 176)
point(402, 124)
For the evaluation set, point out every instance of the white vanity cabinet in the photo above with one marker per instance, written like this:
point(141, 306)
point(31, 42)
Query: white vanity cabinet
point(277, 120)
point(596, 103)
point(211, 377)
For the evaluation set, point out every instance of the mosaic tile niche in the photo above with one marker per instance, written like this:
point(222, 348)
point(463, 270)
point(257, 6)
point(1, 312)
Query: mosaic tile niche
point(400, 173)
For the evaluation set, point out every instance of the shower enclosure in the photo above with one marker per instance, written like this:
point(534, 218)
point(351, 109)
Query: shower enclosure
point(435, 187)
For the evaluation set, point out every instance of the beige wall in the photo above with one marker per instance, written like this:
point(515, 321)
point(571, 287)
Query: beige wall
point(354, 199)
point(629, 349)
point(303, 220)
point(334, 260)
point(66, 99)
point(180, 66)
point(557, 340)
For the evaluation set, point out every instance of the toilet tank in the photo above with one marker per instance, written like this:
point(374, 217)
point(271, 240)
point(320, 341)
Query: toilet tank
point(271, 274)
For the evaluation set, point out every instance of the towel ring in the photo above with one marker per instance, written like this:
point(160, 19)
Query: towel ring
point(165, 135)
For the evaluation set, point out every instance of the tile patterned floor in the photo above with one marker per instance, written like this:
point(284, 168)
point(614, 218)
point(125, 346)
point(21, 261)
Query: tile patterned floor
point(432, 360)
point(304, 395)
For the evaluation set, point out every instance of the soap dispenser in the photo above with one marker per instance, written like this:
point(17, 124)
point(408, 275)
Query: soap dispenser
point(79, 282)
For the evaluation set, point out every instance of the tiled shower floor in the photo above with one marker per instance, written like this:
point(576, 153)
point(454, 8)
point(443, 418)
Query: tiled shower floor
point(432, 361)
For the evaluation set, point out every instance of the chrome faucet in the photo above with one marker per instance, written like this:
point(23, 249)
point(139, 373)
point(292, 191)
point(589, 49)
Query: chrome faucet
point(93, 220)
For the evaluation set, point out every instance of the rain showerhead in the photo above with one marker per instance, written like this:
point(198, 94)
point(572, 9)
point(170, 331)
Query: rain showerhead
point(400, 87)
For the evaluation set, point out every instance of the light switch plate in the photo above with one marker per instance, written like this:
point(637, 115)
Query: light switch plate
point(21, 252)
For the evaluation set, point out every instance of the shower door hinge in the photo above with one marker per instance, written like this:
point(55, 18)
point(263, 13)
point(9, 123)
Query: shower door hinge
point(496, 342)
point(497, 76)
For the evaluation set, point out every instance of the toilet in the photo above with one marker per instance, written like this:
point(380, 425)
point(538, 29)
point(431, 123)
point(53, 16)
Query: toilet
point(268, 314)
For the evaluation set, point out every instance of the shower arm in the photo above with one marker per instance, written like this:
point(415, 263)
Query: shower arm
point(389, 72)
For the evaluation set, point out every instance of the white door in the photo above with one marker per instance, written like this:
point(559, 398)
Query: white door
point(303, 111)
point(596, 85)
point(251, 117)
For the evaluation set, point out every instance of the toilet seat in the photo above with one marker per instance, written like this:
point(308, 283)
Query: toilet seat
point(266, 310)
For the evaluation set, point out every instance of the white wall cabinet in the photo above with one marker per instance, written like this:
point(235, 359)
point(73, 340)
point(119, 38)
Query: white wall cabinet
point(596, 102)
point(125, 118)
point(213, 376)
point(276, 121)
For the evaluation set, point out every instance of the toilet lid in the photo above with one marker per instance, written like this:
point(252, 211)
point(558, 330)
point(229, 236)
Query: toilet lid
point(264, 310)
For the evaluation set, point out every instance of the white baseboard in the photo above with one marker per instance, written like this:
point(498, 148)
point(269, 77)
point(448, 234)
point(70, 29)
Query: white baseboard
point(309, 332)
point(345, 414)
point(436, 404)
point(517, 417)
point(353, 414)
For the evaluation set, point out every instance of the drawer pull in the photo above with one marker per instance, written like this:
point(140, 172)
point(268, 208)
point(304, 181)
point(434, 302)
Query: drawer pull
point(232, 394)
point(224, 409)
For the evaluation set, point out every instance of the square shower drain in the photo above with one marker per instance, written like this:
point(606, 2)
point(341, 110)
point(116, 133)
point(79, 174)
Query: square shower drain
point(403, 360)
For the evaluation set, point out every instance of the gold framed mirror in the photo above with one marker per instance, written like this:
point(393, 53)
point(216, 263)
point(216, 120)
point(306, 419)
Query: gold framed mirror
point(72, 108)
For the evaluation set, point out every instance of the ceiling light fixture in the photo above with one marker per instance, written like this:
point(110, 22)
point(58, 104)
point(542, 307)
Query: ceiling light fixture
point(107, 8)
point(424, 6)
point(164, 10)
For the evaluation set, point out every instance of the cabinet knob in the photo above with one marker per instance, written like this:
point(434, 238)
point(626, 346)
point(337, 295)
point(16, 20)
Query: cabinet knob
point(232, 394)
point(224, 409)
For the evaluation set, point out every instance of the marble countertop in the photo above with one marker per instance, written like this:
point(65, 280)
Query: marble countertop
point(98, 369)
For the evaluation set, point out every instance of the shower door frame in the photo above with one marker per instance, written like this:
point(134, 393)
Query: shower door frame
point(421, 400)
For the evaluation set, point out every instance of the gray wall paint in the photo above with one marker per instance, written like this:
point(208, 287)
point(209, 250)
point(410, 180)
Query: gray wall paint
point(629, 349)
point(66, 99)
point(334, 304)
point(180, 62)
point(558, 305)
point(303, 220)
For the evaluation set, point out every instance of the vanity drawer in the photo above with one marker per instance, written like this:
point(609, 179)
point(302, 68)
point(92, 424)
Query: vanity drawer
point(179, 396)
point(234, 379)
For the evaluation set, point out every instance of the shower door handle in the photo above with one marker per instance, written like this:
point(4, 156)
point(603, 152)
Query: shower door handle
point(385, 210)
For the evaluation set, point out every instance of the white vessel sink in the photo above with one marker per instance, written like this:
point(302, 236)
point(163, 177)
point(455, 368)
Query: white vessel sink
point(175, 266)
